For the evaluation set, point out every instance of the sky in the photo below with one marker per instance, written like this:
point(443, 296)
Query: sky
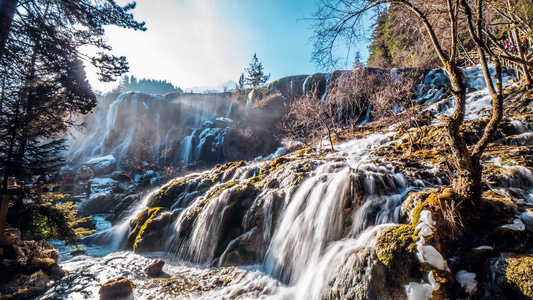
point(208, 42)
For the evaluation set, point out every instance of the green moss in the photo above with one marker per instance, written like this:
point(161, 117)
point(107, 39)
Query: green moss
point(304, 151)
point(167, 194)
point(393, 241)
point(428, 154)
point(277, 162)
point(139, 225)
point(152, 213)
point(416, 213)
point(396, 248)
point(219, 171)
point(256, 179)
point(520, 273)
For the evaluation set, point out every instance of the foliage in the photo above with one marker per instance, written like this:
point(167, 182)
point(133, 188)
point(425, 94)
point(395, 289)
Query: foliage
point(148, 86)
point(44, 220)
point(43, 83)
point(397, 42)
point(445, 23)
point(352, 98)
point(308, 120)
point(256, 76)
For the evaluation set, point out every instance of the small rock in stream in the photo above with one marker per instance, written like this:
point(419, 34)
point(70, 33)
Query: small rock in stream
point(155, 269)
point(116, 288)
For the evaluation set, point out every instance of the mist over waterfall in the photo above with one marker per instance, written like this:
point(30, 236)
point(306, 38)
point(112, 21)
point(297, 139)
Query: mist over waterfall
point(135, 128)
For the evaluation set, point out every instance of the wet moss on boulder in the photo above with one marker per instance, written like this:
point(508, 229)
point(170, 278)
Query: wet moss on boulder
point(171, 192)
point(139, 226)
point(519, 273)
point(396, 250)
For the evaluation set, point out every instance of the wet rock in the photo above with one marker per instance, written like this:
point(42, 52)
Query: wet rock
point(244, 250)
point(99, 205)
point(139, 225)
point(524, 139)
point(85, 173)
point(103, 165)
point(155, 232)
point(222, 123)
point(122, 209)
point(409, 204)
point(116, 288)
point(395, 249)
point(155, 269)
point(121, 176)
point(509, 277)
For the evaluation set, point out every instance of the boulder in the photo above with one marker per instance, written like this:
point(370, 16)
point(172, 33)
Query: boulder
point(509, 277)
point(102, 165)
point(155, 269)
point(222, 122)
point(154, 234)
point(121, 176)
point(116, 288)
point(85, 173)
point(244, 250)
point(123, 208)
point(99, 205)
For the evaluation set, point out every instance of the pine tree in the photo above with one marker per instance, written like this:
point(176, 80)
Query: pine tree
point(44, 86)
point(240, 86)
point(256, 76)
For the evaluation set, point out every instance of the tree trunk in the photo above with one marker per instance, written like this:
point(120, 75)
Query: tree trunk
point(7, 10)
point(525, 70)
point(468, 182)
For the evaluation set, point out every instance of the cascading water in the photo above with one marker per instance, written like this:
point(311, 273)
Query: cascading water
point(115, 237)
point(315, 220)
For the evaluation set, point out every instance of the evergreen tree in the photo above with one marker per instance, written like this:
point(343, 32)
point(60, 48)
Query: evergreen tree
point(256, 76)
point(148, 86)
point(43, 80)
point(240, 86)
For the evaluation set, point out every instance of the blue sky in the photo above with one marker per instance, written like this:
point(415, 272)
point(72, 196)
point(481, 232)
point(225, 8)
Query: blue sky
point(208, 42)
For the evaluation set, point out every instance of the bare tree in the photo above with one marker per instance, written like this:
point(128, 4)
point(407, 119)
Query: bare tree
point(308, 120)
point(349, 95)
point(341, 19)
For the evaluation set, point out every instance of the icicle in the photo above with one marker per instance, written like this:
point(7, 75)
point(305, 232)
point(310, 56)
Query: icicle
point(517, 225)
point(467, 281)
point(418, 291)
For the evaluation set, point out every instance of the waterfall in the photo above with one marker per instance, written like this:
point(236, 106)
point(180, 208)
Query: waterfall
point(304, 85)
point(309, 222)
point(115, 237)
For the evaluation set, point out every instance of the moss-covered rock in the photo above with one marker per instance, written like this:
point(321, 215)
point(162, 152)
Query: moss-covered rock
point(170, 193)
point(304, 151)
point(509, 277)
point(520, 274)
point(396, 250)
point(116, 288)
point(27, 268)
point(139, 226)
point(240, 199)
